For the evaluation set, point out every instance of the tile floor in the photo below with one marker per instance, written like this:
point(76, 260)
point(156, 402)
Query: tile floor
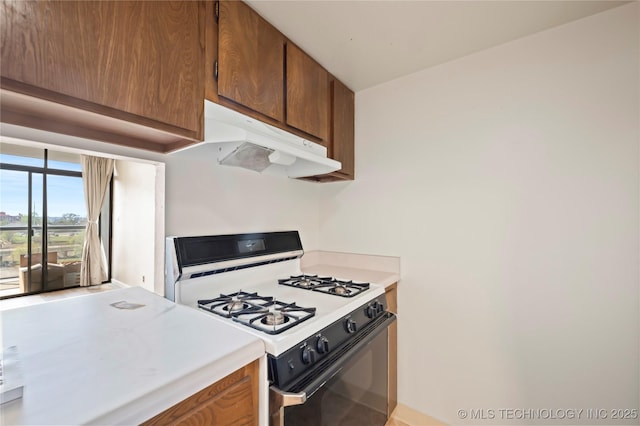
point(394, 422)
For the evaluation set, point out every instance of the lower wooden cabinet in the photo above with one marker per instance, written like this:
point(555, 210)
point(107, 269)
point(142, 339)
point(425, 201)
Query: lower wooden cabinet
point(232, 400)
point(392, 306)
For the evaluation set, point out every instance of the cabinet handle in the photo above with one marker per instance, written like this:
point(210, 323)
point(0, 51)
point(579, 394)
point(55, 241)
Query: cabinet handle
point(215, 70)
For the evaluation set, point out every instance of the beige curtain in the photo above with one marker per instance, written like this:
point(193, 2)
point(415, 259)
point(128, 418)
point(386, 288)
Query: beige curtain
point(96, 173)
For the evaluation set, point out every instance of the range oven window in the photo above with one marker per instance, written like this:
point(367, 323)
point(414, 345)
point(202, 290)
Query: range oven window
point(356, 395)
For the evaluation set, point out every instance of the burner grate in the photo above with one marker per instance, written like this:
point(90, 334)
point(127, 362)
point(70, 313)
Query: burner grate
point(326, 285)
point(273, 317)
point(259, 312)
point(341, 288)
point(304, 281)
point(228, 304)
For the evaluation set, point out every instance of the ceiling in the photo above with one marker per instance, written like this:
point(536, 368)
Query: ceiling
point(366, 43)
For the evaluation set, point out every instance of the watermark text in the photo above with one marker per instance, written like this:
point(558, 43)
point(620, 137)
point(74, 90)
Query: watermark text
point(548, 414)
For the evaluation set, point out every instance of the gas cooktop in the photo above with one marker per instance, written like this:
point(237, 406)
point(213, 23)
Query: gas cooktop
point(254, 282)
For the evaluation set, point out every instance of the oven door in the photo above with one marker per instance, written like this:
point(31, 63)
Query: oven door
point(349, 388)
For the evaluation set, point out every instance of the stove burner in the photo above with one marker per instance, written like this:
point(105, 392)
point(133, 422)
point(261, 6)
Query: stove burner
point(339, 289)
point(235, 305)
point(307, 282)
point(274, 317)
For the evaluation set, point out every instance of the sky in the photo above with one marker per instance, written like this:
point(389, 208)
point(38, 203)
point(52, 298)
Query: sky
point(65, 194)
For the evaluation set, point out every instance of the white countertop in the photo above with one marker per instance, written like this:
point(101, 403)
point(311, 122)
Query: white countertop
point(84, 361)
point(381, 270)
point(382, 278)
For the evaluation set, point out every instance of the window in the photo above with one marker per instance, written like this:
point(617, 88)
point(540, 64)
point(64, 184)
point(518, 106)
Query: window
point(42, 210)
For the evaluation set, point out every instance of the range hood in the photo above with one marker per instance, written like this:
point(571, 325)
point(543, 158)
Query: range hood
point(248, 143)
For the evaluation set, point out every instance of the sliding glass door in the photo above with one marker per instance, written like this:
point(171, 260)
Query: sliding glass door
point(65, 229)
point(21, 192)
point(42, 220)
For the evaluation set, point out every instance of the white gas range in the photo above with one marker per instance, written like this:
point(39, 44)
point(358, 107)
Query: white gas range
point(310, 325)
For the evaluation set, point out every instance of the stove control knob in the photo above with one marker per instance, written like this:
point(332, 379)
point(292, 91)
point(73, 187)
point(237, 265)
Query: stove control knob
point(372, 309)
point(308, 355)
point(322, 345)
point(350, 325)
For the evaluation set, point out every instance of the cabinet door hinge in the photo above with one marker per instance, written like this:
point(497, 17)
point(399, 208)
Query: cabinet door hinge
point(217, 10)
point(215, 70)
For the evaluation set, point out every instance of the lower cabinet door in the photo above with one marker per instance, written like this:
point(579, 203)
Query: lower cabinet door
point(230, 401)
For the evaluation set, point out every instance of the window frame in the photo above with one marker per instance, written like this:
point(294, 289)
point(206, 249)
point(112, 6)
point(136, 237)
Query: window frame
point(46, 171)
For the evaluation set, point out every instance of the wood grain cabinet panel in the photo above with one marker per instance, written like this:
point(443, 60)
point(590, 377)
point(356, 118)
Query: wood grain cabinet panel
point(252, 68)
point(230, 401)
point(392, 306)
point(342, 147)
point(250, 60)
point(140, 61)
point(307, 94)
point(341, 144)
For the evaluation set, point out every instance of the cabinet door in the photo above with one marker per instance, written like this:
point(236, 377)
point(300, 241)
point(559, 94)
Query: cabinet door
point(342, 138)
point(230, 401)
point(250, 60)
point(307, 94)
point(141, 58)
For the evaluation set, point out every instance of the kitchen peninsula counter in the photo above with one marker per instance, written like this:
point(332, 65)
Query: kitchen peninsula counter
point(381, 270)
point(86, 361)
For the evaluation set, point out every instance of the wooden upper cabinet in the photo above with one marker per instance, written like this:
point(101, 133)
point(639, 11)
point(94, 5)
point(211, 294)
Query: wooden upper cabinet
point(138, 61)
point(250, 60)
point(342, 126)
point(264, 75)
point(307, 94)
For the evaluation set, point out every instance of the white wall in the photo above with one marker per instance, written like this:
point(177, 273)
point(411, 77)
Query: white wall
point(134, 225)
point(508, 182)
point(204, 198)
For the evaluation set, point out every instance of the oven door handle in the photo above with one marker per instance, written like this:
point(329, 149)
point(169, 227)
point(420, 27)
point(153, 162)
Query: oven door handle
point(332, 365)
point(278, 398)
